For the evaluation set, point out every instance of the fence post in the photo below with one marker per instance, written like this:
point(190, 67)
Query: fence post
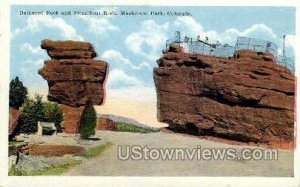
point(249, 43)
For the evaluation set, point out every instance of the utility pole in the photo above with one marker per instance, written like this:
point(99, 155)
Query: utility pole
point(177, 37)
point(283, 50)
point(283, 47)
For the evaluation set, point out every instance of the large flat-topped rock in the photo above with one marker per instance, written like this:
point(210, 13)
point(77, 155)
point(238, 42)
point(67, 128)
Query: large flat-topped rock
point(249, 98)
point(69, 49)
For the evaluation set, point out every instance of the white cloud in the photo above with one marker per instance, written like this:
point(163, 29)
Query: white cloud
point(99, 26)
point(138, 93)
point(192, 28)
point(256, 31)
point(117, 58)
point(290, 45)
point(291, 41)
point(36, 23)
point(27, 47)
point(30, 67)
point(29, 71)
point(188, 22)
point(118, 78)
point(30, 63)
point(148, 41)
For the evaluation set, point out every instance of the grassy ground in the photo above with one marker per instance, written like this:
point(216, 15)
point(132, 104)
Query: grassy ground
point(55, 170)
point(59, 169)
point(16, 143)
point(124, 127)
point(97, 151)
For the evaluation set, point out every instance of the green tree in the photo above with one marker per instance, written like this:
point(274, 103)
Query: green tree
point(53, 113)
point(17, 93)
point(32, 112)
point(35, 110)
point(88, 122)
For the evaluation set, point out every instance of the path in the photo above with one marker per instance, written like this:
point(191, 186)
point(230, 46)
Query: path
point(108, 163)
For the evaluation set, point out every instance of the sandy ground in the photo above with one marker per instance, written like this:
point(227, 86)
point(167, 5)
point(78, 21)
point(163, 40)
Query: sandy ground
point(60, 139)
point(108, 163)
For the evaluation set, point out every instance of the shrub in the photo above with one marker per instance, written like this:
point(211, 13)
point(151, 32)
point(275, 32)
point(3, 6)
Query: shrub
point(88, 122)
point(53, 113)
point(13, 171)
point(32, 112)
point(17, 93)
point(35, 110)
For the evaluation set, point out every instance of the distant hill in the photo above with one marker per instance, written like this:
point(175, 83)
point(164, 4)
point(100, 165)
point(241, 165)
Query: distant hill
point(122, 119)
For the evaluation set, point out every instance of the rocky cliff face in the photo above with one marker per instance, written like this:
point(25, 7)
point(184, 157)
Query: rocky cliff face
point(74, 78)
point(104, 123)
point(248, 98)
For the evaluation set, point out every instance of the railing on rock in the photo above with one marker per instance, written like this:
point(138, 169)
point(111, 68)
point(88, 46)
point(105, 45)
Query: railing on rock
point(198, 46)
point(264, 46)
point(256, 45)
point(216, 49)
point(286, 61)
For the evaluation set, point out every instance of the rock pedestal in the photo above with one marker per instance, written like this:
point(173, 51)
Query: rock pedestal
point(74, 78)
point(248, 98)
point(72, 117)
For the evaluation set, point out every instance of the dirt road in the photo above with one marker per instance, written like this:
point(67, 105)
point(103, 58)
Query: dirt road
point(108, 164)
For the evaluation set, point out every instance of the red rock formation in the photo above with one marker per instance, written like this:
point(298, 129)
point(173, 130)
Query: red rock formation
point(14, 118)
point(106, 124)
point(68, 49)
point(248, 99)
point(72, 117)
point(75, 81)
point(74, 78)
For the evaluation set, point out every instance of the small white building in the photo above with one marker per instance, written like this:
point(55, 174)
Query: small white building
point(50, 126)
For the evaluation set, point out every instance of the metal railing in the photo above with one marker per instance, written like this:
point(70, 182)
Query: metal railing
point(286, 61)
point(198, 46)
point(256, 45)
point(265, 46)
point(216, 49)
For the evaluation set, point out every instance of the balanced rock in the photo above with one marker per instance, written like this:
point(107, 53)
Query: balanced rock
point(248, 98)
point(71, 81)
point(69, 49)
point(74, 78)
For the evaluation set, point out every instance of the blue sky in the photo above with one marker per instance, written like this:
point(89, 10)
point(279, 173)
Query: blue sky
point(132, 44)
